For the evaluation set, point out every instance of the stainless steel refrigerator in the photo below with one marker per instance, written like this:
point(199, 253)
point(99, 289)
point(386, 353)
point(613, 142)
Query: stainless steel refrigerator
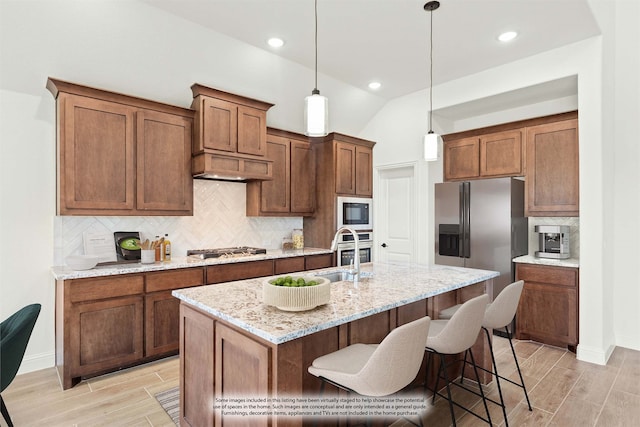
point(481, 224)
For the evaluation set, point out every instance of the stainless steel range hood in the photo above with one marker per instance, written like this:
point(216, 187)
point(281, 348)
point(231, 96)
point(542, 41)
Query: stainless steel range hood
point(231, 167)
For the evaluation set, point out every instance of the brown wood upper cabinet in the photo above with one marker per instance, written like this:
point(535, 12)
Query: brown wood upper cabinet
point(120, 155)
point(354, 165)
point(544, 150)
point(293, 188)
point(552, 169)
point(230, 136)
point(344, 167)
point(486, 156)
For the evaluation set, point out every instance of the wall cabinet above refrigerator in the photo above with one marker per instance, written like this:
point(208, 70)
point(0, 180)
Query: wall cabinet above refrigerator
point(544, 150)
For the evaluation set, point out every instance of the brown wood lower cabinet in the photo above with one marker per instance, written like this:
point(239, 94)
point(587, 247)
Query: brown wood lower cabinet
point(107, 323)
point(548, 309)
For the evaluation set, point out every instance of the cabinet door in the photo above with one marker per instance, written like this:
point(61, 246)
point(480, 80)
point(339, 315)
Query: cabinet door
point(303, 178)
point(219, 125)
point(252, 131)
point(275, 194)
point(364, 171)
point(552, 170)
point(501, 154)
point(106, 334)
point(164, 180)
point(96, 158)
point(345, 168)
point(462, 159)
point(547, 314)
point(162, 323)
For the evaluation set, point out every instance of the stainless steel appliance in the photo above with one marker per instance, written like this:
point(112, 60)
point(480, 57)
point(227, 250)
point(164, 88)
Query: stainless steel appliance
point(553, 241)
point(481, 224)
point(346, 248)
point(355, 213)
point(237, 251)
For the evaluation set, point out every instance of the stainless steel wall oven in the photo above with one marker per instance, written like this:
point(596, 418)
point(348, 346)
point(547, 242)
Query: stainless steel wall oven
point(347, 247)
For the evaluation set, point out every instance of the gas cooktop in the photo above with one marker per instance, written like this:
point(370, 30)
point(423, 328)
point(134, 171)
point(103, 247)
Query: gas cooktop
point(236, 251)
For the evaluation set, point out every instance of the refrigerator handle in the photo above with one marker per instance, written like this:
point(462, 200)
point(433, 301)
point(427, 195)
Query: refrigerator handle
point(461, 226)
point(466, 222)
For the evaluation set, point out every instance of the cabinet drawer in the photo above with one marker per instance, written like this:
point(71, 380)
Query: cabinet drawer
point(239, 271)
point(105, 287)
point(182, 278)
point(288, 265)
point(544, 274)
point(313, 262)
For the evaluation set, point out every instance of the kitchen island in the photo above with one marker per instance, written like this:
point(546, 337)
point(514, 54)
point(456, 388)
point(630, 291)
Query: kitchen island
point(233, 344)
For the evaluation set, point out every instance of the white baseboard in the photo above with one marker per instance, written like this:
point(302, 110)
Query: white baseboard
point(628, 341)
point(595, 355)
point(37, 362)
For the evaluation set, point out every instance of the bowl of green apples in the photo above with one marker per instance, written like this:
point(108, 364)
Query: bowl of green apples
point(296, 292)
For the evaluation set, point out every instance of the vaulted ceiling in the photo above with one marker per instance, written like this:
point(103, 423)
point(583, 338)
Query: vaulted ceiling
point(388, 40)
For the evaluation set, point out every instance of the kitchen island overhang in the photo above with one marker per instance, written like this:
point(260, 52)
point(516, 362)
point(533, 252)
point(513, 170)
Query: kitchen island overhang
point(233, 344)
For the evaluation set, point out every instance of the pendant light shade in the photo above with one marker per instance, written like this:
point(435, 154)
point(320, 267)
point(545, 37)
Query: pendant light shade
point(316, 114)
point(431, 141)
point(316, 106)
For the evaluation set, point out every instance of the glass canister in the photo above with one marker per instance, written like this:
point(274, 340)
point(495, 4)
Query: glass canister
point(297, 236)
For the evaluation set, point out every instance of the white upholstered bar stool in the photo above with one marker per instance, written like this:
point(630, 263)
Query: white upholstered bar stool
point(455, 336)
point(376, 369)
point(498, 315)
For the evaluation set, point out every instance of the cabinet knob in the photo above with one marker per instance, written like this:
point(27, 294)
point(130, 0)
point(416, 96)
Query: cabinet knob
point(384, 245)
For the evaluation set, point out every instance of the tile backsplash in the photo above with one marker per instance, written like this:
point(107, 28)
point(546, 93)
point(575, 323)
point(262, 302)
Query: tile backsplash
point(218, 220)
point(574, 232)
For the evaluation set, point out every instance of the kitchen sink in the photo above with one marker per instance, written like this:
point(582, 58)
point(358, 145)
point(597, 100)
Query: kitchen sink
point(340, 275)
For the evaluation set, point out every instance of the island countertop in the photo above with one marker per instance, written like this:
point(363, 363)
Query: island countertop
point(391, 285)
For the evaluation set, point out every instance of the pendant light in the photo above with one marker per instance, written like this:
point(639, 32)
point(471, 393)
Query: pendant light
point(431, 141)
point(316, 106)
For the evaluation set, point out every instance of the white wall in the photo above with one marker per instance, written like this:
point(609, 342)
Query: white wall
point(607, 71)
point(127, 47)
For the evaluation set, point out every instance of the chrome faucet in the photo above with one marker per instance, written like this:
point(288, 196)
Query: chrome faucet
point(356, 253)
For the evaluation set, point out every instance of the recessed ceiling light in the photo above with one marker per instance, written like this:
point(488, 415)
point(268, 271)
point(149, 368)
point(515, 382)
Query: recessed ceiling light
point(375, 85)
point(275, 42)
point(507, 36)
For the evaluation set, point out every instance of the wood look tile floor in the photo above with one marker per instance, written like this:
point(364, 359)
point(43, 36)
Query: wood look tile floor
point(563, 392)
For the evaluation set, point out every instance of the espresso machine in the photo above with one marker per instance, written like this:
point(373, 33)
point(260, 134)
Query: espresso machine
point(553, 241)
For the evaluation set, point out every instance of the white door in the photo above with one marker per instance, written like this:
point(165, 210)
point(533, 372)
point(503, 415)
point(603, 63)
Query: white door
point(395, 214)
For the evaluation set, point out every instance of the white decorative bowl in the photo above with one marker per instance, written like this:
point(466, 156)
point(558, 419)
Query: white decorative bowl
point(82, 262)
point(297, 298)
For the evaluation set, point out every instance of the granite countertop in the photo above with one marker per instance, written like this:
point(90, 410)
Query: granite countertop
point(66, 273)
point(392, 285)
point(531, 259)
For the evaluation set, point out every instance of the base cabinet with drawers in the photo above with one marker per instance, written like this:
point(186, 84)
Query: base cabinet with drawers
point(548, 308)
point(108, 323)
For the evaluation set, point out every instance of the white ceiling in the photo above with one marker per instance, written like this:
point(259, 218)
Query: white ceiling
point(387, 40)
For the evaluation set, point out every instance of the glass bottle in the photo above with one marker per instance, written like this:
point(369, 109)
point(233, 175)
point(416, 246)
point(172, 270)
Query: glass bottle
point(166, 248)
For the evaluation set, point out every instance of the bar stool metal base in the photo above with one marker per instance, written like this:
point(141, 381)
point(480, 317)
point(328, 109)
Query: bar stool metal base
point(442, 374)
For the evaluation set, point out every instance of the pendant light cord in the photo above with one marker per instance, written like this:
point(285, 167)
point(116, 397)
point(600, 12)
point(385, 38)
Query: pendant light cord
point(431, 71)
point(316, 44)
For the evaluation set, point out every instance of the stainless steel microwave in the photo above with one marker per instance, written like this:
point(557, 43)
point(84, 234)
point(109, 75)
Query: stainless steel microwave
point(355, 212)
